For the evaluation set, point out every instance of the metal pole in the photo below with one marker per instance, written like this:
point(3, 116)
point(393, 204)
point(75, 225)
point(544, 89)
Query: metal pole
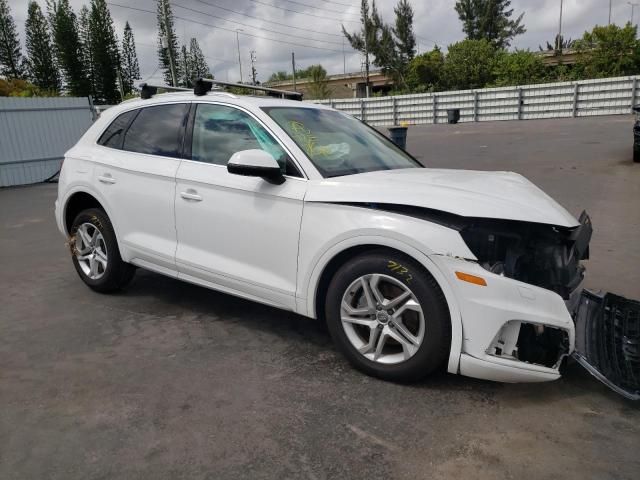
point(633, 10)
point(238, 44)
point(559, 46)
point(610, 2)
point(366, 56)
point(344, 59)
point(293, 66)
point(253, 66)
point(172, 66)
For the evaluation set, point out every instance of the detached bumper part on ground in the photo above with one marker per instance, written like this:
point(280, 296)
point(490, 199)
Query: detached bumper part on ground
point(608, 341)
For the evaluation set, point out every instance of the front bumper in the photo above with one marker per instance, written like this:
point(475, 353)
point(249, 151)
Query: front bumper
point(494, 318)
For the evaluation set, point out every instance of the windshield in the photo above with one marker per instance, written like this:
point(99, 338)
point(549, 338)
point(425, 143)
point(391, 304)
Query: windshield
point(339, 144)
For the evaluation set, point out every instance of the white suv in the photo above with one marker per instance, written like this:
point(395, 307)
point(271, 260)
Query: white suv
point(307, 209)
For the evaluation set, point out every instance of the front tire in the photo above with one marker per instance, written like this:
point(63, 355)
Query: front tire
point(388, 316)
point(95, 252)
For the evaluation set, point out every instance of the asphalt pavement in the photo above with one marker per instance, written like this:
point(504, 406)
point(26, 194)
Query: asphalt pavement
point(169, 380)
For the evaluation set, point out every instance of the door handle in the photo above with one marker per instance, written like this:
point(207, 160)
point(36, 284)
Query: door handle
point(107, 178)
point(191, 195)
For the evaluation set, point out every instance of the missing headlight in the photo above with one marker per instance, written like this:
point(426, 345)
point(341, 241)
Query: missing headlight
point(541, 255)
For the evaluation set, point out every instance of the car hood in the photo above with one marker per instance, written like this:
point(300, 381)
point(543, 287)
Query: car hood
point(468, 193)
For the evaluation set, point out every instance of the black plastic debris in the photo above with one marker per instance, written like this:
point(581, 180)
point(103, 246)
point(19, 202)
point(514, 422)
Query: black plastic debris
point(608, 341)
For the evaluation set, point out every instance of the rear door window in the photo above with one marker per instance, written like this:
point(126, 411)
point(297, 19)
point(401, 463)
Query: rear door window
point(158, 130)
point(112, 136)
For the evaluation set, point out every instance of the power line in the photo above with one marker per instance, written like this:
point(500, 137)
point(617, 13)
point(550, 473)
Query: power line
point(343, 4)
point(303, 13)
point(200, 12)
point(267, 21)
point(213, 59)
point(321, 9)
point(226, 29)
point(424, 39)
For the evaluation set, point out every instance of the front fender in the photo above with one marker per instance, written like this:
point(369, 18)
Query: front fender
point(327, 230)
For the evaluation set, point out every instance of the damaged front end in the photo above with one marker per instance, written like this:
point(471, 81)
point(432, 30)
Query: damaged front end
point(607, 341)
point(542, 255)
point(520, 331)
point(546, 256)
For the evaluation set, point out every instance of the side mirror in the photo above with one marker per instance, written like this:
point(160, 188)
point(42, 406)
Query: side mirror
point(255, 163)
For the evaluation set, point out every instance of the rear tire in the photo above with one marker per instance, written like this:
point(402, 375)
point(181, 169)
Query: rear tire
point(636, 153)
point(409, 316)
point(95, 253)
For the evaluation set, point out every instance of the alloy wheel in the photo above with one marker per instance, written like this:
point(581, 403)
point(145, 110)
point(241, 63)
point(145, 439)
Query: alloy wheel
point(382, 319)
point(91, 251)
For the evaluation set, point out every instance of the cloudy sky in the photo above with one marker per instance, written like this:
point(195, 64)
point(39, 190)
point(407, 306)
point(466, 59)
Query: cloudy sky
point(311, 28)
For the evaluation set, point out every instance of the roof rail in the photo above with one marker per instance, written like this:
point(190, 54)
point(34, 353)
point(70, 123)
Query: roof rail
point(203, 85)
point(147, 91)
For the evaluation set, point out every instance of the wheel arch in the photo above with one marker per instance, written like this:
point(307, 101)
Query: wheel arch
point(81, 198)
point(329, 263)
point(77, 202)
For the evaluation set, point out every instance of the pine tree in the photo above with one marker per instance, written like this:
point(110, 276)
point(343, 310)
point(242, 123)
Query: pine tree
point(67, 47)
point(366, 37)
point(106, 58)
point(43, 72)
point(166, 32)
point(130, 66)
point(199, 66)
point(84, 34)
point(11, 61)
point(392, 48)
point(403, 31)
point(489, 20)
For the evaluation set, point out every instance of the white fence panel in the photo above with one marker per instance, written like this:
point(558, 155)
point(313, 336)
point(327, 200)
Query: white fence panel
point(608, 96)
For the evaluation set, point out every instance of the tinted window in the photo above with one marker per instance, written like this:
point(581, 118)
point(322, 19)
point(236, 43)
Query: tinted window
point(157, 130)
point(219, 132)
point(112, 137)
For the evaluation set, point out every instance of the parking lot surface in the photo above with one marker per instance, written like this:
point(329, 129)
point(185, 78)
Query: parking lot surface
point(169, 380)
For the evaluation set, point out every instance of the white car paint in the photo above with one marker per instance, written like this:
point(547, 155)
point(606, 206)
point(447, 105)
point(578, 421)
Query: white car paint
point(270, 243)
point(503, 195)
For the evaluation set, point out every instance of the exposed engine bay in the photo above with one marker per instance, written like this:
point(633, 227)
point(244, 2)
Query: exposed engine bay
point(544, 255)
point(541, 255)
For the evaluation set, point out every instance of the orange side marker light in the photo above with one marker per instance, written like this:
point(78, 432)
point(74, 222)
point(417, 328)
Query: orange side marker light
point(466, 277)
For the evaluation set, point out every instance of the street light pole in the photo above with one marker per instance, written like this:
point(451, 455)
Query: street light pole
point(559, 41)
point(633, 10)
point(238, 44)
point(610, 2)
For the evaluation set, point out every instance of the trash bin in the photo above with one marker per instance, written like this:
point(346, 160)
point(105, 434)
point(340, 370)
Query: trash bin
point(453, 115)
point(399, 136)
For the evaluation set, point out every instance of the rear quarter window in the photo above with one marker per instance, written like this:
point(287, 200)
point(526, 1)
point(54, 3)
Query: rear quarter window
point(112, 136)
point(158, 130)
